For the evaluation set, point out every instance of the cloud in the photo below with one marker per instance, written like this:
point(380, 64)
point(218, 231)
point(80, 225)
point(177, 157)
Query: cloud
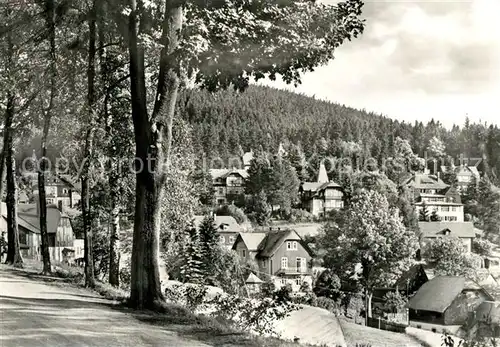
point(419, 60)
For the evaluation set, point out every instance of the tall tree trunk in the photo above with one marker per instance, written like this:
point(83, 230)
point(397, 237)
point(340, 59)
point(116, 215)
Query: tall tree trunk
point(114, 176)
point(114, 240)
point(13, 250)
point(2, 169)
point(50, 23)
point(89, 137)
point(152, 153)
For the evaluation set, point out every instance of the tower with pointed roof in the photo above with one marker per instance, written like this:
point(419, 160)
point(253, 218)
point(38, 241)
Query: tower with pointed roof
point(322, 174)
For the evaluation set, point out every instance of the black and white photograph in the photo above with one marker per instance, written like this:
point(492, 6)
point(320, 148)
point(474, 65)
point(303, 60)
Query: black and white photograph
point(257, 173)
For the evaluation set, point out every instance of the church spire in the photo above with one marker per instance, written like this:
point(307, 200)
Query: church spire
point(322, 175)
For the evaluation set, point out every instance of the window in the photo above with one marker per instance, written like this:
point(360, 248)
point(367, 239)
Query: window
point(221, 191)
point(291, 245)
point(222, 239)
point(244, 253)
point(297, 281)
point(453, 208)
point(284, 263)
point(231, 239)
point(445, 208)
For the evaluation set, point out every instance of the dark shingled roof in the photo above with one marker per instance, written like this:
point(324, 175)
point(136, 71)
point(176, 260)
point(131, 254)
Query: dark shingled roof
point(29, 219)
point(437, 294)
point(266, 244)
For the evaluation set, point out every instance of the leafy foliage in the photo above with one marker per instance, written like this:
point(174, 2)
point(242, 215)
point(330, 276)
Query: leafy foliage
point(394, 301)
point(448, 257)
point(373, 236)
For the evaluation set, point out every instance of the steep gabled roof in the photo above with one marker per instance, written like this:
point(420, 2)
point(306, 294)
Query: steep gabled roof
point(251, 240)
point(438, 229)
point(437, 294)
point(275, 239)
point(423, 181)
point(266, 244)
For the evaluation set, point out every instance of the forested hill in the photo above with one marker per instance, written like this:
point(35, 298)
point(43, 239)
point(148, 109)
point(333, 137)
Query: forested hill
point(227, 122)
point(267, 116)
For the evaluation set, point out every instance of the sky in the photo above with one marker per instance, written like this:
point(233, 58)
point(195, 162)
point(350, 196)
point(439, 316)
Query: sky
point(418, 60)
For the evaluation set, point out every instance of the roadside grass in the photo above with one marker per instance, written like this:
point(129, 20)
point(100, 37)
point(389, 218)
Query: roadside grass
point(356, 334)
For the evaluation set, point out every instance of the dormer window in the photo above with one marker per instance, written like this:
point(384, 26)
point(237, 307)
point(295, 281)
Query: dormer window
point(291, 245)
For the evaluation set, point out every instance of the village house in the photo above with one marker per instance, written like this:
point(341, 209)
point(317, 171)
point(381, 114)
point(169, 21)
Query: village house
point(229, 184)
point(60, 190)
point(227, 228)
point(466, 174)
point(445, 300)
point(437, 196)
point(465, 231)
point(323, 196)
point(61, 237)
point(280, 254)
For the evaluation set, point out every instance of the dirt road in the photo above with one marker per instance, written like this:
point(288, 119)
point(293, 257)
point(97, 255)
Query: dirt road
point(33, 313)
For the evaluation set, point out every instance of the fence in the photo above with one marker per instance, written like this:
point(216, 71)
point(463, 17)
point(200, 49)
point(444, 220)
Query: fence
point(401, 317)
point(383, 324)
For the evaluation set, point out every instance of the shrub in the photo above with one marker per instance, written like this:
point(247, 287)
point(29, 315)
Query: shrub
point(393, 302)
point(330, 305)
point(482, 247)
point(259, 314)
point(299, 215)
point(190, 296)
point(328, 285)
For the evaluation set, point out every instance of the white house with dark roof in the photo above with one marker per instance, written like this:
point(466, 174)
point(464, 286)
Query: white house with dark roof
point(437, 196)
point(280, 254)
point(323, 196)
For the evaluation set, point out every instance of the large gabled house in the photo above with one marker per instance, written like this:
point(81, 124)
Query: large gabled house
point(280, 255)
point(323, 196)
point(430, 192)
point(228, 184)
